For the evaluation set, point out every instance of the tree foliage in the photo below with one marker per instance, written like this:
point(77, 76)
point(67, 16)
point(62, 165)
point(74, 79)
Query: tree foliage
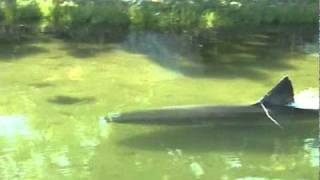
point(114, 18)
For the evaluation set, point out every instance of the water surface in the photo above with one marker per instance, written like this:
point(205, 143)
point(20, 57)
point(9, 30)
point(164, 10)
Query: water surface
point(54, 93)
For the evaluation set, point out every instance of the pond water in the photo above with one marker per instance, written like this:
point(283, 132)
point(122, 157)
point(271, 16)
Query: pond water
point(55, 93)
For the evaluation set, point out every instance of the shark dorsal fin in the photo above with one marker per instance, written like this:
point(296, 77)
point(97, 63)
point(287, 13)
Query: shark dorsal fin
point(281, 94)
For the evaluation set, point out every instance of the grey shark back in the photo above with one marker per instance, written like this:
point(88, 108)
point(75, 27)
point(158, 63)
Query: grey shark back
point(276, 104)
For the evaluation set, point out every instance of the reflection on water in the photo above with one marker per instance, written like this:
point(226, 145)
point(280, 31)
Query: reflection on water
point(262, 151)
point(208, 139)
point(61, 135)
point(31, 153)
point(13, 126)
point(307, 99)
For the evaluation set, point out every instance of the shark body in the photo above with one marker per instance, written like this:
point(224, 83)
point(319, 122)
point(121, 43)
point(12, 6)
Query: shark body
point(275, 108)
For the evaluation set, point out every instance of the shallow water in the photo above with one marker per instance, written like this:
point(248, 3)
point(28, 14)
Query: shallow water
point(55, 94)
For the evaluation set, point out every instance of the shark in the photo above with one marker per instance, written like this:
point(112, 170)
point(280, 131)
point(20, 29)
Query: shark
point(276, 108)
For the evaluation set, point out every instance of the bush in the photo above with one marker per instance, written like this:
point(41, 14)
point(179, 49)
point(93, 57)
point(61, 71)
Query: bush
point(28, 12)
point(105, 19)
point(145, 16)
point(111, 19)
point(18, 19)
point(175, 16)
point(264, 12)
point(1, 15)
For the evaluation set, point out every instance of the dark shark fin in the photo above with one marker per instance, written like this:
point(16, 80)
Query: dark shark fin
point(281, 94)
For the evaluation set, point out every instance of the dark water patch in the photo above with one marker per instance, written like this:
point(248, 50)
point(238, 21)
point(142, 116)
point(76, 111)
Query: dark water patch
point(69, 100)
point(229, 139)
point(41, 85)
point(223, 53)
point(64, 113)
point(10, 52)
point(56, 57)
point(60, 65)
point(81, 50)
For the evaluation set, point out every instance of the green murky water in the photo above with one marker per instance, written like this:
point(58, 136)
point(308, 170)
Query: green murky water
point(54, 93)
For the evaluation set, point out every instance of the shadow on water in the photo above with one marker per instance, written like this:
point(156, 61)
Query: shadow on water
point(223, 54)
point(82, 50)
point(229, 139)
point(11, 51)
point(68, 100)
point(231, 53)
point(41, 85)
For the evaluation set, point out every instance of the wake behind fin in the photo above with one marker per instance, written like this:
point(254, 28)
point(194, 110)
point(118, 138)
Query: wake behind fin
point(281, 94)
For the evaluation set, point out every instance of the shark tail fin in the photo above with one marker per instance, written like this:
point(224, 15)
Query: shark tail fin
point(280, 94)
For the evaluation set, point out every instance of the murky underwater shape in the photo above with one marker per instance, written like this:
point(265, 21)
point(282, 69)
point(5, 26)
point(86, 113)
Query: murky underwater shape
point(55, 94)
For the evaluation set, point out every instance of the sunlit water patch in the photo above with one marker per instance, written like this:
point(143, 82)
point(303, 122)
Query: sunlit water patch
point(104, 129)
point(311, 147)
point(12, 126)
point(29, 152)
point(307, 99)
point(312, 49)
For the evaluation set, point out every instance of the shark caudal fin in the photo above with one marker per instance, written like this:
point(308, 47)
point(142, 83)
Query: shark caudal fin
point(281, 94)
